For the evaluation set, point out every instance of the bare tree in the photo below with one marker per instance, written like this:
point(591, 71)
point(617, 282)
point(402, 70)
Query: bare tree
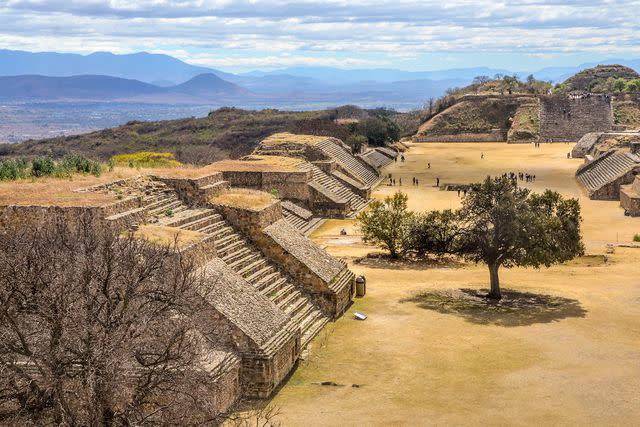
point(95, 329)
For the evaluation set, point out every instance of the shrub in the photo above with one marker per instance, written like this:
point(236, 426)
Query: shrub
point(146, 159)
point(636, 238)
point(10, 170)
point(386, 224)
point(43, 166)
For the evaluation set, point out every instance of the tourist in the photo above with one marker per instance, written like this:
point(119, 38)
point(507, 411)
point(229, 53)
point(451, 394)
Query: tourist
point(400, 181)
point(428, 165)
point(458, 192)
point(568, 155)
point(416, 181)
point(482, 155)
point(437, 182)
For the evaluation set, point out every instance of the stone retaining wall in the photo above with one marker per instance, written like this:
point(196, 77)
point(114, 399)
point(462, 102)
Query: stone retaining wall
point(497, 135)
point(568, 118)
point(290, 185)
point(311, 267)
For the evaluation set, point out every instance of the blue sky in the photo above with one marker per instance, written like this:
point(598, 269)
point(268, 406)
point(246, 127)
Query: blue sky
point(410, 35)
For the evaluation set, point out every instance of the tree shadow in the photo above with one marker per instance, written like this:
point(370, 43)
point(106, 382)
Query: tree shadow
point(516, 308)
point(385, 262)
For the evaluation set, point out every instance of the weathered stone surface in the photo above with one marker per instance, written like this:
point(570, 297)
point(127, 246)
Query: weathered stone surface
point(569, 118)
point(313, 256)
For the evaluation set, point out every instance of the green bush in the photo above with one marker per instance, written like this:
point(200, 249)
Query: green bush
point(43, 166)
point(13, 169)
point(10, 170)
point(636, 238)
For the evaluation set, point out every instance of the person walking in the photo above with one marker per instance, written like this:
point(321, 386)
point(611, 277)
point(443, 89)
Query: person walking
point(437, 182)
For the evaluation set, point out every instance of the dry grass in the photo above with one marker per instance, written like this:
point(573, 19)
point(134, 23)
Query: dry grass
point(244, 198)
point(556, 366)
point(255, 163)
point(290, 138)
point(167, 236)
point(50, 191)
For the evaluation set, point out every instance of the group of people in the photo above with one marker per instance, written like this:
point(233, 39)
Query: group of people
point(395, 159)
point(392, 181)
point(522, 176)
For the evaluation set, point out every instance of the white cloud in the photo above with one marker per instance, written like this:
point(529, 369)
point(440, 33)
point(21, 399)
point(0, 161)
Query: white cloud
point(272, 33)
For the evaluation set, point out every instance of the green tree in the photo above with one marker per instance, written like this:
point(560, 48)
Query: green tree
point(506, 226)
point(356, 142)
point(379, 130)
point(434, 232)
point(387, 224)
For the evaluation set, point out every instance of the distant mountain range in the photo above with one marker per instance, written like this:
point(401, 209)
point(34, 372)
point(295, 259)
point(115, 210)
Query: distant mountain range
point(154, 78)
point(200, 89)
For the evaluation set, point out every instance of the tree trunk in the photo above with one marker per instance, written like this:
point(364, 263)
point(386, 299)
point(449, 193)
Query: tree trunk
point(494, 293)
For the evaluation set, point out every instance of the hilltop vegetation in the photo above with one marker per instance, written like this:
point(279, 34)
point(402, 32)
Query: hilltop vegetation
point(485, 105)
point(602, 79)
point(224, 133)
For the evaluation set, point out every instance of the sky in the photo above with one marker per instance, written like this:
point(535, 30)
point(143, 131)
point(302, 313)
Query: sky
point(410, 35)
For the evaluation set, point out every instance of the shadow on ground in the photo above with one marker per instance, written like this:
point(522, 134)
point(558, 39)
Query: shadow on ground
point(384, 261)
point(514, 309)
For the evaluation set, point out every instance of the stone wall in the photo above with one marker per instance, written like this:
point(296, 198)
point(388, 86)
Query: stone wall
point(611, 191)
point(327, 204)
point(261, 376)
point(630, 198)
point(196, 191)
point(497, 135)
point(569, 118)
point(290, 185)
point(311, 267)
point(226, 384)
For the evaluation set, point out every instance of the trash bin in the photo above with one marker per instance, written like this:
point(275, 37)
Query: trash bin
point(361, 286)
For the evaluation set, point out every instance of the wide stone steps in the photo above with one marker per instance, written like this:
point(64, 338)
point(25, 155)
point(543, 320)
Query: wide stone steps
point(335, 187)
point(186, 218)
point(606, 169)
point(348, 162)
point(258, 270)
point(377, 159)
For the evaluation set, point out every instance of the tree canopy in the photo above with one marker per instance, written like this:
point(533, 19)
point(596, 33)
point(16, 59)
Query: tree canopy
point(503, 225)
point(499, 224)
point(387, 224)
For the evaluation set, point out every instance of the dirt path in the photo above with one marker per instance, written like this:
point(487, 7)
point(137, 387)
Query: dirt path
point(416, 366)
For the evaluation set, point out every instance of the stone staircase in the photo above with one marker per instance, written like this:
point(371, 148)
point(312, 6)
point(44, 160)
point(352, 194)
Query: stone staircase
point(349, 162)
point(246, 260)
point(300, 218)
point(335, 187)
point(605, 169)
point(376, 159)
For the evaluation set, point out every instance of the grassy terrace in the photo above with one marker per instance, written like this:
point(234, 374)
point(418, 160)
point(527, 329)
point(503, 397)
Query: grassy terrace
point(50, 191)
point(244, 198)
point(289, 138)
point(259, 164)
point(167, 236)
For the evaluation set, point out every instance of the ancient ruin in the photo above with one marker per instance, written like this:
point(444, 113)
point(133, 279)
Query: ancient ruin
point(569, 117)
point(270, 290)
